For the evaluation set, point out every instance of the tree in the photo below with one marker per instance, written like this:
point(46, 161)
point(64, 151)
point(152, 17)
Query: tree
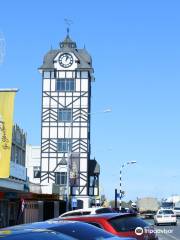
point(123, 204)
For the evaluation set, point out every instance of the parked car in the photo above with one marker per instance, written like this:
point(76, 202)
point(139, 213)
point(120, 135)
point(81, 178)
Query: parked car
point(87, 211)
point(33, 234)
point(165, 216)
point(120, 224)
point(61, 230)
point(176, 210)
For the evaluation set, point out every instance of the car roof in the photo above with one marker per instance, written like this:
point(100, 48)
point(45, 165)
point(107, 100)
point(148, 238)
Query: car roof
point(42, 225)
point(85, 210)
point(33, 234)
point(73, 229)
point(102, 215)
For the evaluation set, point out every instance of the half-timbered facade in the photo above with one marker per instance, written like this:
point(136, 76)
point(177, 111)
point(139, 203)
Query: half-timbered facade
point(67, 75)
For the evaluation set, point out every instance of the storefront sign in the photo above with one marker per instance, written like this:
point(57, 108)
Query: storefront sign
point(6, 122)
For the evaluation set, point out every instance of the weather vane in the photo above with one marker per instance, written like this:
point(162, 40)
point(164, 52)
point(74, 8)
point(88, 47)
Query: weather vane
point(68, 23)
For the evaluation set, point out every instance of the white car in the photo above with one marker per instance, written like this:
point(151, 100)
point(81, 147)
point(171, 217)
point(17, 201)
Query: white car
point(177, 211)
point(165, 216)
point(88, 211)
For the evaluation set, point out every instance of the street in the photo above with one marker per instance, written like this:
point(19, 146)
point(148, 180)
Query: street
point(165, 232)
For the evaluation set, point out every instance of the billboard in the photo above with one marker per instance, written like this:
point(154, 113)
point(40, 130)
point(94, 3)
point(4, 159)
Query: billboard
point(74, 169)
point(6, 124)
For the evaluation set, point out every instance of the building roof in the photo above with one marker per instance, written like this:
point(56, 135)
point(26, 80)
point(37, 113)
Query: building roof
point(68, 45)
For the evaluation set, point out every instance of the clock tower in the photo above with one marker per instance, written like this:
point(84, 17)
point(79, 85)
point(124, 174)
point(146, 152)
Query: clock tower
point(67, 75)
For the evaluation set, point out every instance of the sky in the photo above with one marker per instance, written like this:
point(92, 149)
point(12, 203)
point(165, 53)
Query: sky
point(135, 46)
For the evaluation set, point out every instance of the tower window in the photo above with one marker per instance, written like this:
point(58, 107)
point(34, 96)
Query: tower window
point(64, 145)
point(65, 85)
point(65, 115)
point(61, 178)
point(46, 74)
point(84, 74)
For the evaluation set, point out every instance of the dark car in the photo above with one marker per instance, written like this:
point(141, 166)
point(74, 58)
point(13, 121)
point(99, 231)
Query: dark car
point(75, 230)
point(120, 224)
point(33, 234)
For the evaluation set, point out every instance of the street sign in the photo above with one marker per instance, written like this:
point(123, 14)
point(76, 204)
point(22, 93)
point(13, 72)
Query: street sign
point(117, 195)
point(74, 202)
point(122, 194)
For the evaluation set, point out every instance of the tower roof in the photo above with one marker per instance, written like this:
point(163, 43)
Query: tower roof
point(68, 43)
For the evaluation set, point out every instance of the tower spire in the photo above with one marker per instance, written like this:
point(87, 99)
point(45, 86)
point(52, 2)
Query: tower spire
point(67, 41)
point(67, 31)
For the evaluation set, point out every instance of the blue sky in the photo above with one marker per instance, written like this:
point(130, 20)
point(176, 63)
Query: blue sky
point(135, 46)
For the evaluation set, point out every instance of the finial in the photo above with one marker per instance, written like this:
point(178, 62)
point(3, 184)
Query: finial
point(84, 46)
point(67, 31)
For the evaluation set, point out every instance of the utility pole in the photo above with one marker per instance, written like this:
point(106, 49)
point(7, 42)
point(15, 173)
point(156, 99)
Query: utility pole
point(120, 182)
point(115, 199)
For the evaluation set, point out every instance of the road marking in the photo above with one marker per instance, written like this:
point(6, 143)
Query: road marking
point(172, 237)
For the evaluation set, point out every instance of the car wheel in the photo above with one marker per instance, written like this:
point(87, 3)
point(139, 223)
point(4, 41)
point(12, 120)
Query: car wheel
point(175, 224)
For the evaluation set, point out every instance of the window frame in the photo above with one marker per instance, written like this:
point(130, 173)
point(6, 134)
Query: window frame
point(58, 176)
point(67, 85)
point(67, 141)
point(64, 112)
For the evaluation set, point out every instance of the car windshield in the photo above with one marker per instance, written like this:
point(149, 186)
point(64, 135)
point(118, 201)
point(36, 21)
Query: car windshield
point(166, 212)
point(125, 224)
point(167, 205)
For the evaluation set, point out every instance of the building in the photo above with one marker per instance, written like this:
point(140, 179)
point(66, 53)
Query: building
point(33, 163)
point(67, 75)
point(18, 154)
point(12, 188)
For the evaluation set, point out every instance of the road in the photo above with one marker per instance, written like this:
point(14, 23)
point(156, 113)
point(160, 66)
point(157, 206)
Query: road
point(167, 232)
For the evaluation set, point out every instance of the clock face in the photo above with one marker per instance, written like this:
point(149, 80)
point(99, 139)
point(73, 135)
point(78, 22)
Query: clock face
point(66, 60)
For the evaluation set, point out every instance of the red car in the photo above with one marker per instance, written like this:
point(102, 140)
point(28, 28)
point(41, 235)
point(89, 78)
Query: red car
point(122, 225)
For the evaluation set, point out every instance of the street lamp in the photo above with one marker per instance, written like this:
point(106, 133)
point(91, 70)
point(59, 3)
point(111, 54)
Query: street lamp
point(120, 182)
point(69, 154)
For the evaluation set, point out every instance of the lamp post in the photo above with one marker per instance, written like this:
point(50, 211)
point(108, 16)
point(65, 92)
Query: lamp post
point(120, 182)
point(69, 154)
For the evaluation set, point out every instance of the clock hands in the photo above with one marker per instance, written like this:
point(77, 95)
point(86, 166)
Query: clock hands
point(67, 57)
